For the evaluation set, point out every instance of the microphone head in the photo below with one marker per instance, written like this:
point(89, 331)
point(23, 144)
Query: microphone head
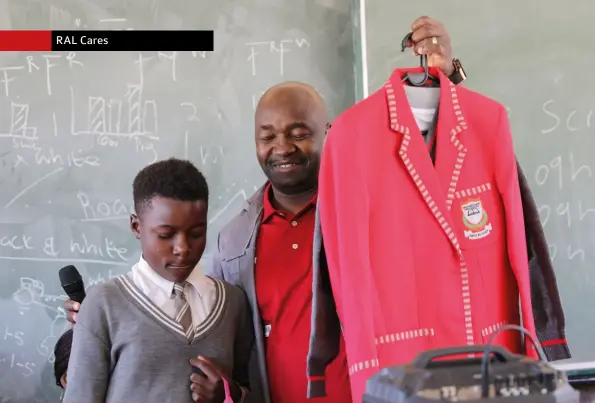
point(72, 283)
point(68, 275)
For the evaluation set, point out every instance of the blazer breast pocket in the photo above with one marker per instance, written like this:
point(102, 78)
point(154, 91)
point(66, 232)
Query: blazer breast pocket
point(479, 216)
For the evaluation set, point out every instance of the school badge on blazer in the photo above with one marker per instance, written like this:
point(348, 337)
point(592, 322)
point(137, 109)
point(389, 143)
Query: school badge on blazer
point(475, 219)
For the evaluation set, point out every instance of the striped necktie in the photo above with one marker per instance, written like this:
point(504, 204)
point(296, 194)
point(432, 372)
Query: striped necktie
point(183, 314)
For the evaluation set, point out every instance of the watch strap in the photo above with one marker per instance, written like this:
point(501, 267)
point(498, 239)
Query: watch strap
point(459, 75)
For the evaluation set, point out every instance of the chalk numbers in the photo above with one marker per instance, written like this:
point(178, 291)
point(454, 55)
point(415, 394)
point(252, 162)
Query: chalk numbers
point(565, 179)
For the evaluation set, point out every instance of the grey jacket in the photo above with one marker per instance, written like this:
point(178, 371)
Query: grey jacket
point(232, 260)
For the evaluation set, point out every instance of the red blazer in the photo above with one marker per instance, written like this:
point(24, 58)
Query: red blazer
point(422, 256)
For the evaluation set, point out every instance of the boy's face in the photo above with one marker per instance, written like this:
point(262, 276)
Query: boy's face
point(173, 235)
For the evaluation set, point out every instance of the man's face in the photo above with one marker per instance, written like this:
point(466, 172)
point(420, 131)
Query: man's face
point(290, 130)
point(173, 236)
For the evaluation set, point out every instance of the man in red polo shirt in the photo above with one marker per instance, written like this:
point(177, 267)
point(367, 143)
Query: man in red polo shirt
point(291, 121)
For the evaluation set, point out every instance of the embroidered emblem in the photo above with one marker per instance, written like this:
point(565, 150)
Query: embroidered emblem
point(476, 219)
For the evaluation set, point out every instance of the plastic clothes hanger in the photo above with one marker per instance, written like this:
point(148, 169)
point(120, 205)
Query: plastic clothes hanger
point(418, 79)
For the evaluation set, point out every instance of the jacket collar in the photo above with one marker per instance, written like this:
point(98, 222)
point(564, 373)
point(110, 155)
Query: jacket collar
point(254, 203)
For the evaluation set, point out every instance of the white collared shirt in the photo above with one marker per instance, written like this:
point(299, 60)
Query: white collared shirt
point(200, 291)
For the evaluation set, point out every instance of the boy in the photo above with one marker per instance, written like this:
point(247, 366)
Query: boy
point(62, 355)
point(136, 334)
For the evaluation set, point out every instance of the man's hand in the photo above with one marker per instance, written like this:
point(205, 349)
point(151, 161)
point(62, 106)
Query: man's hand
point(430, 38)
point(207, 388)
point(72, 308)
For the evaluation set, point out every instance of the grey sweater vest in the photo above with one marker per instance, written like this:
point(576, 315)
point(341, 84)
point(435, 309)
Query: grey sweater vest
point(126, 350)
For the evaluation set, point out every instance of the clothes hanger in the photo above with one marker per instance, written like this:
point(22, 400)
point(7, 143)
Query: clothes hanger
point(418, 79)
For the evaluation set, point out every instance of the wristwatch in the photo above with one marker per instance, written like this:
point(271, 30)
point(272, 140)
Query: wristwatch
point(459, 75)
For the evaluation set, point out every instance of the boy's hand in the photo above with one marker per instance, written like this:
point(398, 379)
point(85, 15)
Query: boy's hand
point(72, 308)
point(207, 388)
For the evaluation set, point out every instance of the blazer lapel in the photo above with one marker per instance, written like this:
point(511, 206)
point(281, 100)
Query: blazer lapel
point(414, 152)
point(450, 147)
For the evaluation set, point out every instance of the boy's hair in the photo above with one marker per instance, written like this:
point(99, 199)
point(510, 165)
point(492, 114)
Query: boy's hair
point(62, 355)
point(172, 178)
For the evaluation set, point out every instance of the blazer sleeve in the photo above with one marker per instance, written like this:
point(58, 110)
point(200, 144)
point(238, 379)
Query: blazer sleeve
point(547, 307)
point(325, 334)
point(506, 176)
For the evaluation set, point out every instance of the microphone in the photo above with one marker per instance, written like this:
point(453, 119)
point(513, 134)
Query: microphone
point(72, 283)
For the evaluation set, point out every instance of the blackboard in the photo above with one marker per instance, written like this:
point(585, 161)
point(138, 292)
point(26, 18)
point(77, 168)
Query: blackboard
point(76, 128)
point(533, 57)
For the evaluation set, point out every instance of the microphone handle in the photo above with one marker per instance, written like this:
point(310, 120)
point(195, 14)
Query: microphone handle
point(77, 296)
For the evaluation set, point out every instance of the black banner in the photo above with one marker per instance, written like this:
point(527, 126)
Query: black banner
point(141, 41)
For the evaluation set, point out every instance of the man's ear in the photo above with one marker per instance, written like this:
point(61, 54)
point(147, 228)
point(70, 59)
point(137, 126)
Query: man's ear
point(63, 381)
point(135, 225)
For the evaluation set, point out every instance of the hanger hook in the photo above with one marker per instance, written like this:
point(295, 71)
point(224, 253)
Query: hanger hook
point(423, 61)
point(405, 41)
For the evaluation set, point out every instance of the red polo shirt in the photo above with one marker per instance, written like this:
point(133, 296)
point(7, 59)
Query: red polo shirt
point(284, 292)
